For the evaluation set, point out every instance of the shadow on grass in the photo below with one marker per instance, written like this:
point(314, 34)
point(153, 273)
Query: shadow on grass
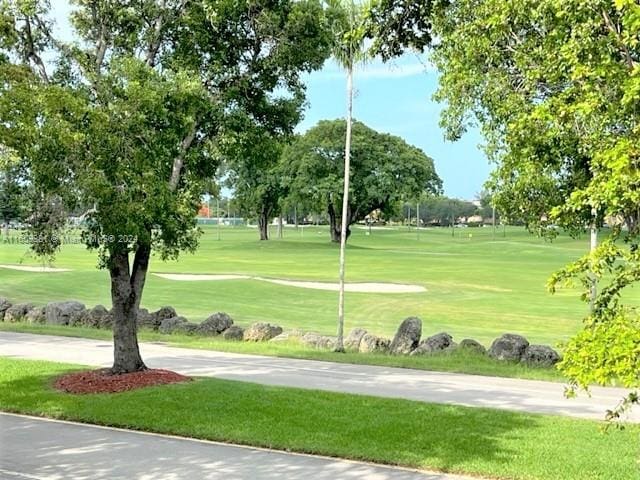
point(388, 431)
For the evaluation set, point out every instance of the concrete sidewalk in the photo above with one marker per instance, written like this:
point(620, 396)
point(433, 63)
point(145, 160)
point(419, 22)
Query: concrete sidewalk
point(38, 449)
point(449, 388)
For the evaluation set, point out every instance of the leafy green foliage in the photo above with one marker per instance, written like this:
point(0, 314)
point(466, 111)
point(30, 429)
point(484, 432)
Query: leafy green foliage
point(554, 87)
point(128, 122)
point(383, 169)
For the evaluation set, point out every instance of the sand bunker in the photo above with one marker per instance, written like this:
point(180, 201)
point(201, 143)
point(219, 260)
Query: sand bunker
point(349, 287)
point(41, 269)
point(183, 277)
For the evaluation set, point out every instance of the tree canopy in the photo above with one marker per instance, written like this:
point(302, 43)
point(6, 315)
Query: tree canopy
point(127, 118)
point(554, 86)
point(384, 170)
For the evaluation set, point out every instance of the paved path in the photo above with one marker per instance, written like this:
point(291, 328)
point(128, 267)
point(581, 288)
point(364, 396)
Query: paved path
point(451, 388)
point(37, 449)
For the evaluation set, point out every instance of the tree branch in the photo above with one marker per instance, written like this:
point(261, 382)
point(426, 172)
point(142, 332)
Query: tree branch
point(612, 28)
point(31, 53)
point(178, 163)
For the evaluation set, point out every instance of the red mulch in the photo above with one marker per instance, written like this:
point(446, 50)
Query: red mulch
point(103, 381)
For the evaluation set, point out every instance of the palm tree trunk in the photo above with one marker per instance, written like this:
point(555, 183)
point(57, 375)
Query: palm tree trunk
point(345, 210)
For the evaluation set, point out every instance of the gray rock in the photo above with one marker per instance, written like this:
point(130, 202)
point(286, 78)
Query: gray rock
point(261, 332)
point(17, 312)
point(508, 347)
point(296, 333)
point(106, 321)
point(215, 324)
point(233, 333)
point(158, 316)
point(472, 345)
point(187, 328)
point(452, 347)
point(540, 356)
point(36, 315)
point(407, 337)
point(315, 340)
point(434, 344)
point(170, 325)
point(372, 344)
point(4, 305)
point(63, 313)
point(146, 319)
point(352, 342)
point(96, 317)
point(283, 337)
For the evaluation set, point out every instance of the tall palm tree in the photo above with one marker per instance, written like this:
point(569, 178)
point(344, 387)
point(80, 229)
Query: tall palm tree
point(348, 50)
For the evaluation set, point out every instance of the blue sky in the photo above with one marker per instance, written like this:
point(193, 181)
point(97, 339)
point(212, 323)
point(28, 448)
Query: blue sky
point(396, 98)
point(393, 98)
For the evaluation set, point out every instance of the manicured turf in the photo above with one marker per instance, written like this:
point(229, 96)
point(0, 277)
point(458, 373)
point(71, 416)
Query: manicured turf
point(478, 286)
point(458, 361)
point(486, 442)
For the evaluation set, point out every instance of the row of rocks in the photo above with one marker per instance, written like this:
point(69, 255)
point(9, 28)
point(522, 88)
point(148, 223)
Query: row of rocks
point(164, 320)
point(408, 341)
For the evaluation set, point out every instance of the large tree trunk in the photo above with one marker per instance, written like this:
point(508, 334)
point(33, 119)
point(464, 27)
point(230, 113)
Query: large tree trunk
point(126, 293)
point(263, 224)
point(335, 225)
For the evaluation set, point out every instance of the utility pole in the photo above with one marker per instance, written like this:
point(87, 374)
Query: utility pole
point(493, 220)
point(218, 208)
point(418, 220)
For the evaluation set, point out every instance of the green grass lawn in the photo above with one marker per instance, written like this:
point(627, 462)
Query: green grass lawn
point(477, 286)
point(458, 361)
point(491, 443)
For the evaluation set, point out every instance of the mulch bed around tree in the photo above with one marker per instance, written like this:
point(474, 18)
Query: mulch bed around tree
point(103, 381)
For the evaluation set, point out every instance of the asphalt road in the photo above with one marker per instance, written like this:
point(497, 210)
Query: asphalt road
point(38, 449)
point(448, 388)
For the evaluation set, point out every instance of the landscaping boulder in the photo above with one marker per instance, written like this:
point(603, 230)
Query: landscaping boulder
point(434, 344)
point(96, 317)
point(215, 324)
point(508, 347)
point(283, 337)
point(187, 328)
point(261, 332)
point(407, 337)
point(170, 325)
point(16, 313)
point(472, 345)
point(372, 344)
point(4, 305)
point(315, 340)
point(158, 316)
point(233, 333)
point(146, 319)
point(453, 346)
point(352, 342)
point(540, 356)
point(63, 313)
point(35, 315)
